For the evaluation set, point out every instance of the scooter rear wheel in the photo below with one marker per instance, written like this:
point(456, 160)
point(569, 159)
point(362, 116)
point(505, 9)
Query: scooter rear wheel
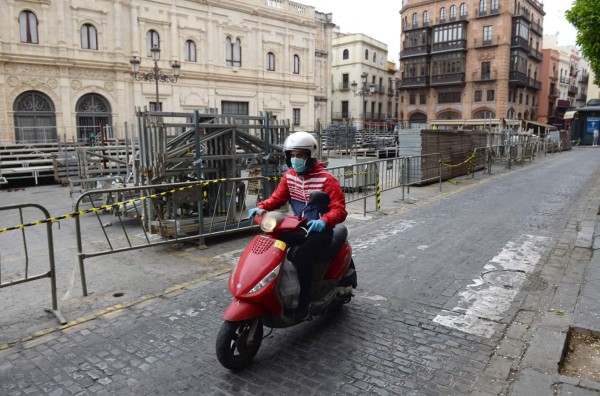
point(236, 346)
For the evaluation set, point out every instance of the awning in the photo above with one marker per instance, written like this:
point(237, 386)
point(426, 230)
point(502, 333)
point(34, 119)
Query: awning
point(570, 114)
point(540, 124)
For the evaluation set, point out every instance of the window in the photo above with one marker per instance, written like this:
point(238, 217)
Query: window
point(452, 12)
point(478, 96)
point(189, 51)
point(449, 33)
point(415, 20)
point(482, 7)
point(296, 116)
point(487, 35)
point(345, 107)
point(374, 56)
point(412, 99)
point(463, 10)
point(28, 27)
point(425, 17)
point(89, 38)
point(239, 108)
point(422, 99)
point(490, 95)
point(152, 40)
point(346, 54)
point(345, 81)
point(233, 52)
point(443, 14)
point(527, 100)
point(495, 6)
point(155, 107)
point(367, 54)
point(520, 98)
point(449, 97)
point(296, 64)
point(271, 61)
point(486, 70)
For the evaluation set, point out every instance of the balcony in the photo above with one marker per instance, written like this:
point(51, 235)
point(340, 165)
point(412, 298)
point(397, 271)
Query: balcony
point(419, 50)
point(553, 93)
point(481, 43)
point(563, 104)
point(565, 80)
point(341, 116)
point(519, 79)
point(390, 91)
point(485, 77)
point(380, 89)
point(449, 46)
point(523, 13)
point(573, 90)
point(581, 97)
point(448, 79)
point(519, 42)
point(344, 86)
point(537, 28)
point(585, 78)
point(536, 54)
point(414, 82)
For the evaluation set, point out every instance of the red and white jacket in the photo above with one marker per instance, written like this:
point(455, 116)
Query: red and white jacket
point(296, 189)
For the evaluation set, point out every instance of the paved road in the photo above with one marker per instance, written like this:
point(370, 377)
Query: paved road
point(448, 289)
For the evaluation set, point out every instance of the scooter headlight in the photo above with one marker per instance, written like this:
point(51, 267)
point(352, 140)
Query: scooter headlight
point(266, 280)
point(270, 221)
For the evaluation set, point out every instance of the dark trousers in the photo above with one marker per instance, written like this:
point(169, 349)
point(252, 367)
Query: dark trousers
point(305, 251)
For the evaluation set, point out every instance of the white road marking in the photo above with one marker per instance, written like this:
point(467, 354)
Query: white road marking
point(422, 247)
point(382, 234)
point(482, 305)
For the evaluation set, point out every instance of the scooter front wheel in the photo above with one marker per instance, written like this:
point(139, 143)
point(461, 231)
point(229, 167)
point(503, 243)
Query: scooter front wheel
point(238, 342)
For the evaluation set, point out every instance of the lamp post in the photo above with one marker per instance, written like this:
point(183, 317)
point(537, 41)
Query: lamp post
point(365, 91)
point(156, 74)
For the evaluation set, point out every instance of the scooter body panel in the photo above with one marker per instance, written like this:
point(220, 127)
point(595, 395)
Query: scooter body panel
point(243, 309)
point(339, 265)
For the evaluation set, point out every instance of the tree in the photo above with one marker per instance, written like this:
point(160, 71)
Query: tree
point(584, 15)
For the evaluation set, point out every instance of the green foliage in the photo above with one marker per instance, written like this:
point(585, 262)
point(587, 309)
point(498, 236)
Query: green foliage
point(584, 15)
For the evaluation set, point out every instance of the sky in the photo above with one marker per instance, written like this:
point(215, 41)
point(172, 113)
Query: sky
point(380, 19)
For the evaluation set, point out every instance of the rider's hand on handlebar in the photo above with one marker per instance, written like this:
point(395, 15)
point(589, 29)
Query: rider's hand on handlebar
point(315, 225)
point(255, 212)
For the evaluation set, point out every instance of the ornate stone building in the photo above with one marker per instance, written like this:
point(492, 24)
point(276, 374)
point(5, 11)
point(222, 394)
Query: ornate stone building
point(65, 65)
point(463, 59)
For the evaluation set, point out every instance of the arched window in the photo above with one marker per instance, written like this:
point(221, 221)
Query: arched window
point(35, 120)
point(89, 38)
point(443, 14)
point(28, 27)
point(366, 54)
point(415, 20)
point(271, 61)
point(296, 64)
point(189, 51)
point(152, 40)
point(453, 12)
point(346, 54)
point(463, 10)
point(425, 17)
point(233, 52)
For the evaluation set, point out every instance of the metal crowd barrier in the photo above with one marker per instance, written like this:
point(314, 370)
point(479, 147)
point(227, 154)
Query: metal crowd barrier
point(20, 241)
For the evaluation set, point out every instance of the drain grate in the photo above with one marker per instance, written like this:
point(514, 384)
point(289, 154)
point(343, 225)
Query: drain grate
point(515, 280)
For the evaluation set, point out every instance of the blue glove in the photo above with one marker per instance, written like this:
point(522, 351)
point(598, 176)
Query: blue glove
point(315, 225)
point(254, 212)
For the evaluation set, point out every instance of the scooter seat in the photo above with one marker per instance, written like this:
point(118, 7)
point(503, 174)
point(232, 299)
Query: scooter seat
point(340, 235)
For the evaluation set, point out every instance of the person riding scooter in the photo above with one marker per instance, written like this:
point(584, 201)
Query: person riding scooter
point(306, 174)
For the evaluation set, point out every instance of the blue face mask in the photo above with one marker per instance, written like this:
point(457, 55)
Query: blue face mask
point(298, 164)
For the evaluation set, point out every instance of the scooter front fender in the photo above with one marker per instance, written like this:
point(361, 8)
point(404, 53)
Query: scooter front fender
point(242, 310)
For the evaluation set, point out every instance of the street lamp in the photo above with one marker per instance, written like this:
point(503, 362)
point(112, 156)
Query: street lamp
point(156, 74)
point(364, 91)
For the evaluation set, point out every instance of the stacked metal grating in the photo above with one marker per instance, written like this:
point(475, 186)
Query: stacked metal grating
point(339, 136)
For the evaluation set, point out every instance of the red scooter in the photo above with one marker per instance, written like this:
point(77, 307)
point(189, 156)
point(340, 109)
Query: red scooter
point(265, 285)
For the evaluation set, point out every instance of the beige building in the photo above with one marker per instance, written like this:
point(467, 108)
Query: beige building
point(463, 59)
point(362, 81)
point(65, 65)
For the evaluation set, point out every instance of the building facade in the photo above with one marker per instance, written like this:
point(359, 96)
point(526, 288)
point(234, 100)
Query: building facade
point(363, 81)
point(65, 65)
point(463, 59)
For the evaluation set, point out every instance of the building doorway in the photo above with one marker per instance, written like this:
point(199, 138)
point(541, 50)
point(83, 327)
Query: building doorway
point(93, 118)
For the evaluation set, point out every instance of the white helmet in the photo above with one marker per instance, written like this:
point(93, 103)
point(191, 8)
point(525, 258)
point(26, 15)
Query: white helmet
point(302, 141)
